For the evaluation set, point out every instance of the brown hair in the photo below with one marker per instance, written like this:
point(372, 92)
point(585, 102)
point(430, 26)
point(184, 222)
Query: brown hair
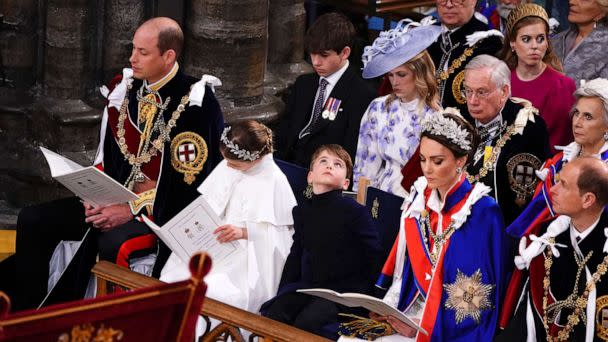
point(338, 151)
point(170, 35)
point(423, 68)
point(510, 57)
point(248, 135)
point(458, 151)
point(594, 179)
point(331, 31)
point(171, 38)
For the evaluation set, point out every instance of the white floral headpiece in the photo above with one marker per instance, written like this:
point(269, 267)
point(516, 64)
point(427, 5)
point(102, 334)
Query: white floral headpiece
point(447, 127)
point(234, 148)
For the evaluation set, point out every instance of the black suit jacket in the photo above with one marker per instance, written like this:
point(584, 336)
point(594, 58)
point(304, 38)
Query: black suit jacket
point(344, 130)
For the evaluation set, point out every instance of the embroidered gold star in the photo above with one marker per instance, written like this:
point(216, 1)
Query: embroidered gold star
point(468, 296)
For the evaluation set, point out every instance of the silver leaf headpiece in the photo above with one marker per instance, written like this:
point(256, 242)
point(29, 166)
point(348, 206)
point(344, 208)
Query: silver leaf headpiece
point(447, 127)
point(234, 148)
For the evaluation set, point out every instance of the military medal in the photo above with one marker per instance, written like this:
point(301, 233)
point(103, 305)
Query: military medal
point(331, 108)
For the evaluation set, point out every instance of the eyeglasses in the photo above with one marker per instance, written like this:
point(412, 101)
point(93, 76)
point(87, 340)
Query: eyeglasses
point(481, 94)
point(454, 2)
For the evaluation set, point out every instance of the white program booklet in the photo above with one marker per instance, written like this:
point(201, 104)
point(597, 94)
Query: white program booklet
point(89, 183)
point(191, 231)
point(370, 303)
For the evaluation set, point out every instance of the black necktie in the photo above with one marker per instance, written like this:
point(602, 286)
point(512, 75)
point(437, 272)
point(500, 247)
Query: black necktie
point(318, 107)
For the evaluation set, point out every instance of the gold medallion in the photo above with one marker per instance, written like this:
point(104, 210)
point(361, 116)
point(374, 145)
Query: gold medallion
point(188, 154)
point(457, 88)
point(601, 317)
point(522, 178)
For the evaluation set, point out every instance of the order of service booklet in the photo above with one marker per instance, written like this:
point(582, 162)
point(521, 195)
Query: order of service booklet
point(191, 231)
point(361, 300)
point(89, 183)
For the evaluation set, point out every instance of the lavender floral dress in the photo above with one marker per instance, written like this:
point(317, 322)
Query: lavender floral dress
point(388, 137)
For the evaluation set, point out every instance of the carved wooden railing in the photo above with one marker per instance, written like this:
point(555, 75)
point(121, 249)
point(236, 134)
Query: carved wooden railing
point(111, 276)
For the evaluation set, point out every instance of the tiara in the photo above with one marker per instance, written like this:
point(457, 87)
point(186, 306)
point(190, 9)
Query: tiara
point(523, 11)
point(447, 127)
point(234, 148)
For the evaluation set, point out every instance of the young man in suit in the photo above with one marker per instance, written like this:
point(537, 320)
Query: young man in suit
point(324, 107)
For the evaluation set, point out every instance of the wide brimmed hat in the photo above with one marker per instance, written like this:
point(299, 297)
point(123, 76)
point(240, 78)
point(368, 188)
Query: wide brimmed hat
point(523, 11)
point(397, 46)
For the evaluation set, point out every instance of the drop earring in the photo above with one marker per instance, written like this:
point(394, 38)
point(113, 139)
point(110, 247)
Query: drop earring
point(459, 170)
point(606, 136)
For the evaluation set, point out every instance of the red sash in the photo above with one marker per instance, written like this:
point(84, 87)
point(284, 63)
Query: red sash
point(430, 282)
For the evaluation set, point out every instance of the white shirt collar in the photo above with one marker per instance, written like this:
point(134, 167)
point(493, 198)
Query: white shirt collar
point(575, 233)
point(445, 29)
point(496, 118)
point(335, 77)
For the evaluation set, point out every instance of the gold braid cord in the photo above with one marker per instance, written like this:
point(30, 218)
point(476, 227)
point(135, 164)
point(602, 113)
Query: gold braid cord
point(488, 165)
point(574, 301)
point(367, 328)
point(456, 64)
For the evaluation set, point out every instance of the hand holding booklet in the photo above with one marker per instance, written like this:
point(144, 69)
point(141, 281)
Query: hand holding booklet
point(191, 231)
point(89, 183)
point(360, 300)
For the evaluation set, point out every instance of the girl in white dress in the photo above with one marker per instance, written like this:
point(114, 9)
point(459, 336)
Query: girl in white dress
point(248, 191)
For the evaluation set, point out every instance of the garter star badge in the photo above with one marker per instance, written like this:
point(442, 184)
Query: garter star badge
point(457, 88)
point(601, 317)
point(188, 154)
point(468, 296)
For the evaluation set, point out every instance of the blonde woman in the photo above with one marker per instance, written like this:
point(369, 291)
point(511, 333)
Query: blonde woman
point(390, 128)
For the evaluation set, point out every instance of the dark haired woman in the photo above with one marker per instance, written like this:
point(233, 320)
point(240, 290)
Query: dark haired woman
point(251, 195)
point(447, 267)
point(536, 72)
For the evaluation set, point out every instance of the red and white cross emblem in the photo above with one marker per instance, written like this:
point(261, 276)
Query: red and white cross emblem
point(187, 152)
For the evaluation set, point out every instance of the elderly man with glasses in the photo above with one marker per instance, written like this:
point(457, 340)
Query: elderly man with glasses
point(513, 137)
point(463, 37)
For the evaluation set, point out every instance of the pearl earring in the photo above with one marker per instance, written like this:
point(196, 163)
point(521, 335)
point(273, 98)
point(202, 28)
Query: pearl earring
point(459, 169)
point(606, 136)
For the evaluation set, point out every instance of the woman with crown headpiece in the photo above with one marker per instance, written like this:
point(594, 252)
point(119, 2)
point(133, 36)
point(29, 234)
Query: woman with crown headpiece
point(252, 196)
point(390, 128)
point(536, 72)
point(448, 265)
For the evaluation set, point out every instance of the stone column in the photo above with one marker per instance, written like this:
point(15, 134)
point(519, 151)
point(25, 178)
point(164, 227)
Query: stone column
point(122, 17)
point(18, 72)
point(287, 20)
point(229, 39)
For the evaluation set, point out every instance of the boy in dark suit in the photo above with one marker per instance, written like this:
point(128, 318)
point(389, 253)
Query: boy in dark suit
point(324, 107)
point(335, 246)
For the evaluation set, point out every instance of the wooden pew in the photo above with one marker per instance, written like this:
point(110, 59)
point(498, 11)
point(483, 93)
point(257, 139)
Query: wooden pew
point(110, 275)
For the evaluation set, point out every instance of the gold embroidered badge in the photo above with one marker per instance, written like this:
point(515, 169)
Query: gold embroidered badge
point(468, 296)
point(522, 178)
point(457, 88)
point(601, 317)
point(188, 154)
point(375, 207)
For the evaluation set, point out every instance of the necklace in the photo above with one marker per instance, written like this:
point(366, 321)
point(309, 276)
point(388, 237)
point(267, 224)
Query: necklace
point(574, 301)
point(147, 149)
point(488, 165)
point(438, 239)
point(468, 52)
